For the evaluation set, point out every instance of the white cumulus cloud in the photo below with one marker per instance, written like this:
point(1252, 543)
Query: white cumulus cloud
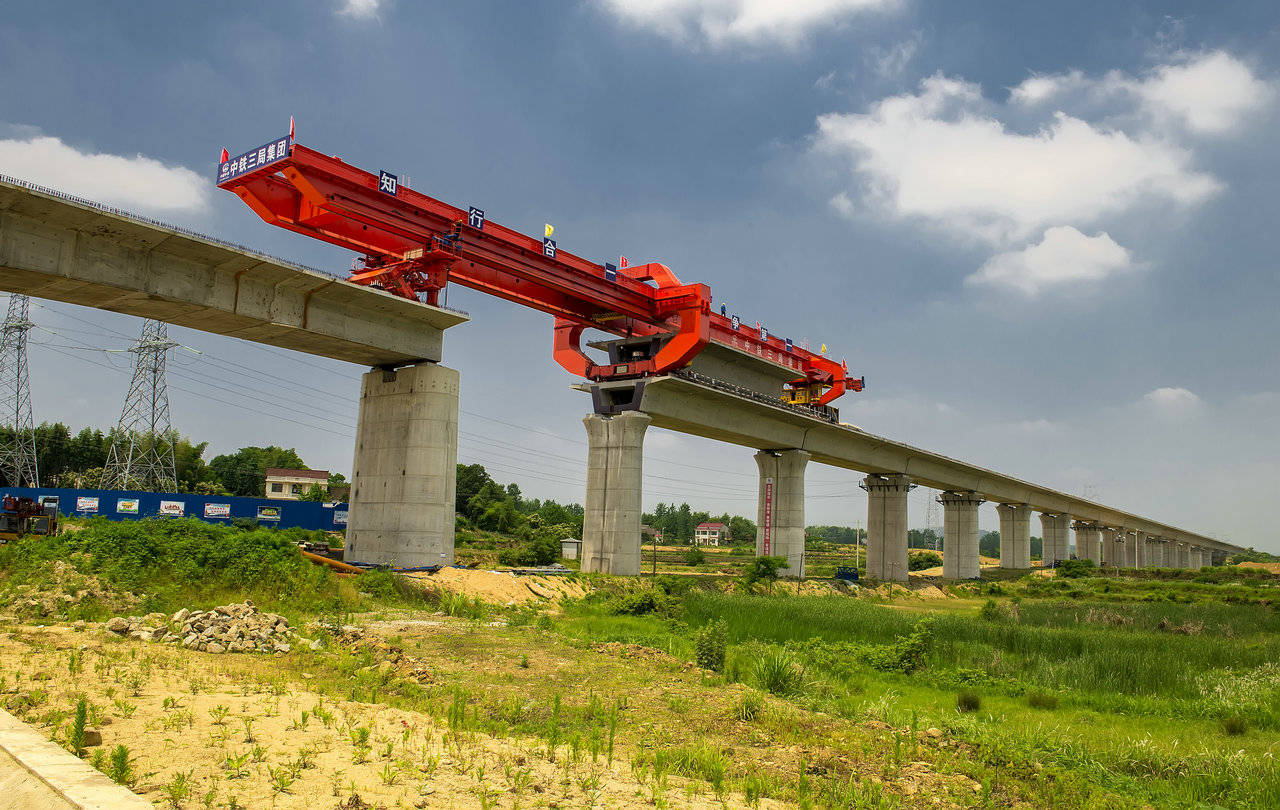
point(1063, 256)
point(1171, 403)
point(1209, 92)
point(138, 182)
point(944, 155)
point(722, 21)
point(359, 9)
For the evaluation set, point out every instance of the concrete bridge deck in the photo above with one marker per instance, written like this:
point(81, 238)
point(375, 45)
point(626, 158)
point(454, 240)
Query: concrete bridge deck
point(686, 406)
point(62, 249)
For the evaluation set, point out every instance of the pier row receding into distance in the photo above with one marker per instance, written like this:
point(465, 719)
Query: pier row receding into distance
point(402, 498)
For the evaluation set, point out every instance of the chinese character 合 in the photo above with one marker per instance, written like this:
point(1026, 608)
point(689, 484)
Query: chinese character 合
point(549, 248)
point(271, 152)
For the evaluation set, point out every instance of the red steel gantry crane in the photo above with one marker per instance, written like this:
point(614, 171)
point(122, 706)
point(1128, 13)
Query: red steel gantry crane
point(413, 245)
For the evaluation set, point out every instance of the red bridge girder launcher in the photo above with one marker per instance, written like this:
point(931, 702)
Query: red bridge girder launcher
point(414, 245)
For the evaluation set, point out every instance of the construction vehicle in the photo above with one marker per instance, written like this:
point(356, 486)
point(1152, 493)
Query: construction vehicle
point(413, 245)
point(22, 516)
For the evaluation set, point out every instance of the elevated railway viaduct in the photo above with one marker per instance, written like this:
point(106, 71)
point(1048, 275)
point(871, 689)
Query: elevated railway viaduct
point(402, 503)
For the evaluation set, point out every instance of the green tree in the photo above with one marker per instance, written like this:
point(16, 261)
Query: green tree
point(989, 544)
point(763, 569)
point(471, 478)
point(244, 472)
point(315, 493)
point(741, 530)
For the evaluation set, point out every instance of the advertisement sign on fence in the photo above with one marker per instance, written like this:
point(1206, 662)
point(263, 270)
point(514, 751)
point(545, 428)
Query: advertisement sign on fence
point(340, 517)
point(268, 513)
point(127, 506)
point(217, 510)
point(173, 508)
point(86, 505)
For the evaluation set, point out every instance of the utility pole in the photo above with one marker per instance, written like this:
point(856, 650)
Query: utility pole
point(17, 451)
point(141, 455)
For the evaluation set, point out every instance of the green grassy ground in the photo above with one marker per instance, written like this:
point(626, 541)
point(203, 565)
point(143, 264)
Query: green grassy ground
point(1167, 703)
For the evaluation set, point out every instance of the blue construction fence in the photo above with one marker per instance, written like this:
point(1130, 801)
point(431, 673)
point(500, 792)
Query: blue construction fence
point(115, 504)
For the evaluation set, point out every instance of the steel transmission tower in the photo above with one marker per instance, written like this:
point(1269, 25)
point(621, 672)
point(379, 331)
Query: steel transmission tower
point(932, 516)
point(141, 455)
point(17, 452)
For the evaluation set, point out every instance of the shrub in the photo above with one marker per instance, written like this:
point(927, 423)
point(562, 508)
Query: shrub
point(907, 654)
point(1042, 700)
point(990, 610)
point(763, 569)
point(778, 672)
point(924, 559)
point(75, 737)
point(968, 701)
point(1235, 725)
point(695, 556)
point(709, 642)
point(1074, 569)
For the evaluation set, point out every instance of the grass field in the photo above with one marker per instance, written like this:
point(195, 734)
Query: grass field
point(1159, 689)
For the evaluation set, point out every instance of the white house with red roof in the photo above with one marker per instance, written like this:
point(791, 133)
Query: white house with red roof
point(710, 534)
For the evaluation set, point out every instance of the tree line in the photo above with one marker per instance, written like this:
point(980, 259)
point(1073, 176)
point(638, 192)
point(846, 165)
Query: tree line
point(677, 523)
point(76, 461)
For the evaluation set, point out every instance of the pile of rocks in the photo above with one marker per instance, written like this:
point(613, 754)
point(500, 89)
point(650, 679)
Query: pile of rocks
point(226, 628)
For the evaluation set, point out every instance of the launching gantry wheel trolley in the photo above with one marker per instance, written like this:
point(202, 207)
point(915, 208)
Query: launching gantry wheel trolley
point(413, 246)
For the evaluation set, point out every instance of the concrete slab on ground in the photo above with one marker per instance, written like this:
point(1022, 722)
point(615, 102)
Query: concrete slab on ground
point(35, 772)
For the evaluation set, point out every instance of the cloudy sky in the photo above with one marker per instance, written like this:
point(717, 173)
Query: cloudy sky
point(1046, 236)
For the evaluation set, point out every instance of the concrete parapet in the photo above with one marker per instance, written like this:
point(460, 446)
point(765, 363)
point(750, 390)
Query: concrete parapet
point(780, 514)
point(1088, 545)
point(1056, 541)
point(1015, 535)
point(887, 526)
point(405, 469)
point(960, 534)
point(611, 523)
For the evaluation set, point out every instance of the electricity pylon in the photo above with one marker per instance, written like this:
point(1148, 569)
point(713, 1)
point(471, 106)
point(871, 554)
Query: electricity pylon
point(141, 455)
point(17, 449)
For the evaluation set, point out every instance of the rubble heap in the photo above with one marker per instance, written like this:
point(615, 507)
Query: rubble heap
point(226, 628)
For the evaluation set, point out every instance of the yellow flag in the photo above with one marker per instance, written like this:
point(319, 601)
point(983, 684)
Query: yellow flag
point(548, 230)
point(823, 350)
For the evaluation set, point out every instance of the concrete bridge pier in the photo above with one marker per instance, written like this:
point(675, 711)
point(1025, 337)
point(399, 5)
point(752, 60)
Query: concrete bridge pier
point(1015, 535)
point(780, 513)
point(1135, 556)
point(611, 520)
point(404, 473)
point(887, 526)
point(1088, 545)
point(1112, 547)
point(960, 533)
point(1056, 547)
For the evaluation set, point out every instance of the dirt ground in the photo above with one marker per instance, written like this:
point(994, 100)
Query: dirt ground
point(500, 587)
point(1274, 567)
point(239, 730)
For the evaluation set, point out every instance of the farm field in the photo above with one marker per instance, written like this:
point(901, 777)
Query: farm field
point(1154, 690)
